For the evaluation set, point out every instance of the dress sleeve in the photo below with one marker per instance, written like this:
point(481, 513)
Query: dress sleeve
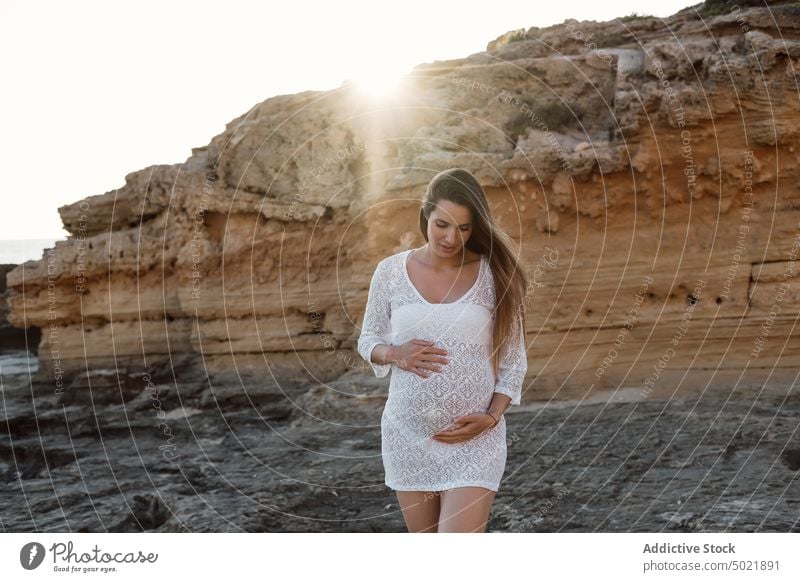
point(513, 364)
point(376, 328)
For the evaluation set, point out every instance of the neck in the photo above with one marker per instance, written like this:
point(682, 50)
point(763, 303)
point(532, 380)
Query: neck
point(457, 260)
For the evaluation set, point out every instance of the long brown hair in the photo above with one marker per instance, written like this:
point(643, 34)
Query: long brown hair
point(460, 187)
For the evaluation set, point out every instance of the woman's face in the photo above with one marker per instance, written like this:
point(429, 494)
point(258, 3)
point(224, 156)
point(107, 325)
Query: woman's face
point(449, 228)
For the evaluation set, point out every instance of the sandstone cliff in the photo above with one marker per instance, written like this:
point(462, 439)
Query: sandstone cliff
point(648, 168)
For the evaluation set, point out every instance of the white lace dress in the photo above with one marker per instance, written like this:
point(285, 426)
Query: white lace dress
point(417, 407)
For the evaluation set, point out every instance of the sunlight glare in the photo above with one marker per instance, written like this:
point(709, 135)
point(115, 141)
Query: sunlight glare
point(379, 83)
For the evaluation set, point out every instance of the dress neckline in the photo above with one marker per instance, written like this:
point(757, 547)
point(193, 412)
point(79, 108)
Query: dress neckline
point(418, 294)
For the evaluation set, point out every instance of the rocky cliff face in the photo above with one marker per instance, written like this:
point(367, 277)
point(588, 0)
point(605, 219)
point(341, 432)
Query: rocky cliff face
point(13, 338)
point(648, 168)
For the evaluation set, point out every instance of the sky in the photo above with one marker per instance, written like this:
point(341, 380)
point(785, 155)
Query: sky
point(95, 90)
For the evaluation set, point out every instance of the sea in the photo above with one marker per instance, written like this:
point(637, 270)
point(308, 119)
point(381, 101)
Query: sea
point(17, 362)
point(15, 252)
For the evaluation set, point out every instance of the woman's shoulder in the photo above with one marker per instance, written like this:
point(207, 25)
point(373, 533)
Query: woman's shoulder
point(388, 265)
point(393, 259)
point(396, 256)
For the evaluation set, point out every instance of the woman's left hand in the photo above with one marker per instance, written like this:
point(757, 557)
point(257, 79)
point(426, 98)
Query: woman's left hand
point(466, 427)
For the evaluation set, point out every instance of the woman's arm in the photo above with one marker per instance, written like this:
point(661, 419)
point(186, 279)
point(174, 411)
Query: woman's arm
point(383, 354)
point(512, 368)
point(375, 341)
point(498, 406)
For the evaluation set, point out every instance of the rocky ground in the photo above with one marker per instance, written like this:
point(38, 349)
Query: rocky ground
point(724, 462)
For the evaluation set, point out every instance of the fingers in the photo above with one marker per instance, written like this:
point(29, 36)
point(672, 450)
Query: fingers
point(425, 367)
point(461, 431)
point(452, 438)
point(455, 437)
point(427, 361)
point(437, 360)
point(430, 350)
point(469, 427)
point(434, 359)
point(456, 432)
point(424, 370)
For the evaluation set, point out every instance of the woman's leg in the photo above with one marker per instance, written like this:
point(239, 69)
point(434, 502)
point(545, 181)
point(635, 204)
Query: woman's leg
point(420, 510)
point(465, 509)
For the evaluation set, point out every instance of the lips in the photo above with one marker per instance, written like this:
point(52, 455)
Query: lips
point(447, 248)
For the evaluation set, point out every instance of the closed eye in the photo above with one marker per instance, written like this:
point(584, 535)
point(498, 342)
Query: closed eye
point(440, 225)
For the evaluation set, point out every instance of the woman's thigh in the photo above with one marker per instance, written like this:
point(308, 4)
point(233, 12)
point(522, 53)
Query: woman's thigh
point(420, 510)
point(465, 509)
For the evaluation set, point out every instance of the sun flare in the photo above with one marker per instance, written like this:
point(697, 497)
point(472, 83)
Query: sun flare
point(379, 84)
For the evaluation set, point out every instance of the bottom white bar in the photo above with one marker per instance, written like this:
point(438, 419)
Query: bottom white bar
point(330, 556)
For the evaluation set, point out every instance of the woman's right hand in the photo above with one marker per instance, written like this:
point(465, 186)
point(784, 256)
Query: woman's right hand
point(419, 357)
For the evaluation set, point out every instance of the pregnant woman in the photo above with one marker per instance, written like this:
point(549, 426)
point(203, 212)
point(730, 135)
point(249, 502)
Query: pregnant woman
point(447, 320)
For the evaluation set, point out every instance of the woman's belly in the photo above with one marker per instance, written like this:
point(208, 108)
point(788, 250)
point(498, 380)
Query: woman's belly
point(428, 405)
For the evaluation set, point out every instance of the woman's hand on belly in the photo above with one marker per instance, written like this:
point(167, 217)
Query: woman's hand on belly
point(420, 357)
point(466, 427)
